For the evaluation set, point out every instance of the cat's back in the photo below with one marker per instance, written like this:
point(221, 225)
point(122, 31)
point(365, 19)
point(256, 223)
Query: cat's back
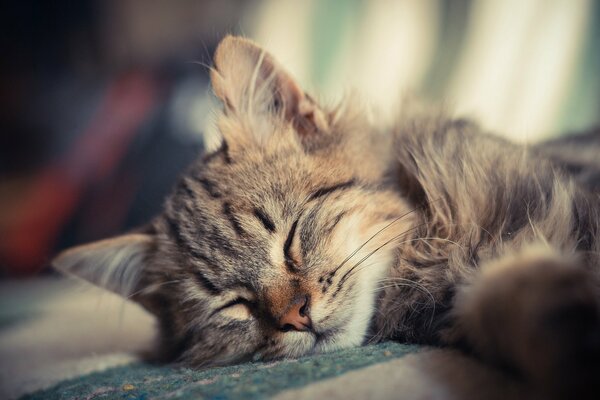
point(578, 155)
point(478, 185)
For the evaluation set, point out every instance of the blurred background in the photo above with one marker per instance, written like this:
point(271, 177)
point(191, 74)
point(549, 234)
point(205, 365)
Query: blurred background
point(103, 102)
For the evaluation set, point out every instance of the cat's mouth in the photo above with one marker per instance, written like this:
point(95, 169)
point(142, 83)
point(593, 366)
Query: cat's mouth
point(325, 335)
point(325, 341)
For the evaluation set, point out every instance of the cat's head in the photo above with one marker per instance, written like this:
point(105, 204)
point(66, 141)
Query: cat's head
point(271, 245)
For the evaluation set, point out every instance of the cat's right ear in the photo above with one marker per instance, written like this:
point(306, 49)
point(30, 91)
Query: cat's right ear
point(115, 264)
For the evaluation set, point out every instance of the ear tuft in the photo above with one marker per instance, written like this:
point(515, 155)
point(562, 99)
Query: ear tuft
point(245, 75)
point(250, 81)
point(114, 264)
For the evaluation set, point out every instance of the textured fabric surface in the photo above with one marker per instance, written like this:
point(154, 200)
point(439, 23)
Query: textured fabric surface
point(440, 374)
point(64, 341)
point(55, 329)
point(245, 381)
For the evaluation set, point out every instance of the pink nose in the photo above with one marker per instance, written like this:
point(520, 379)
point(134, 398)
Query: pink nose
point(296, 317)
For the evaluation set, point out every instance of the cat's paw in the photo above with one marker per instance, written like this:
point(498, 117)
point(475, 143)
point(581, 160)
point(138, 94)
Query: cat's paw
point(540, 316)
point(561, 330)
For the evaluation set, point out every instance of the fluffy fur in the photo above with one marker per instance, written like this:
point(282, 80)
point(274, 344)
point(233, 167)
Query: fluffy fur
point(428, 231)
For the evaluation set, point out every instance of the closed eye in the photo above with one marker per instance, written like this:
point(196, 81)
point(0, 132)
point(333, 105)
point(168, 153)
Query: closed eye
point(239, 308)
point(325, 191)
point(290, 263)
point(235, 302)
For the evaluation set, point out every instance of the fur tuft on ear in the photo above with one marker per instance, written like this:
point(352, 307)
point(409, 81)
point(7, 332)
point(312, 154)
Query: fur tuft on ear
point(115, 264)
point(251, 82)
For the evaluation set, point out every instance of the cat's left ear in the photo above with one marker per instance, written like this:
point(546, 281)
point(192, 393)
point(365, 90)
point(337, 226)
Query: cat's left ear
point(249, 80)
point(115, 264)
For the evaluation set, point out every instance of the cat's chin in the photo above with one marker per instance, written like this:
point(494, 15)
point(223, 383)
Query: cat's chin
point(350, 335)
point(305, 343)
point(337, 340)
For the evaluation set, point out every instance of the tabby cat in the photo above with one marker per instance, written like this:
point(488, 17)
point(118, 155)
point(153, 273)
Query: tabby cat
point(307, 229)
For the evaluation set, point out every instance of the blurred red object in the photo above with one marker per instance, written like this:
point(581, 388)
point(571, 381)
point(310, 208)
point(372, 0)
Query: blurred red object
point(55, 193)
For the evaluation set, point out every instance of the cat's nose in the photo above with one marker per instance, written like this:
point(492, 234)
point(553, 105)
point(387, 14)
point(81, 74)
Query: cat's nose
point(296, 318)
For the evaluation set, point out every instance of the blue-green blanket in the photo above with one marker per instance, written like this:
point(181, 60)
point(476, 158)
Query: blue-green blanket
point(246, 381)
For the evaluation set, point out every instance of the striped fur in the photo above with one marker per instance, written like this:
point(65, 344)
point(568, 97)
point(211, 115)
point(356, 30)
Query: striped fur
point(411, 233)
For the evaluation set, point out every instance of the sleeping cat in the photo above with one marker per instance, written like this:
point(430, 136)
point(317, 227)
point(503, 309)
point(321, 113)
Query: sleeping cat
point(307, 230)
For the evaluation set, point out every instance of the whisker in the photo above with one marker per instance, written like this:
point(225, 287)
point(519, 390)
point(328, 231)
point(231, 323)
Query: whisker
point(201, 63)
point(372, 237)
point(347, 274)
point(443, 240)
point(403, 282)
point(383, 245)
point(415, 240)
point(398, 281)
point(121, 316)
point(406, 282)
point(153, 286)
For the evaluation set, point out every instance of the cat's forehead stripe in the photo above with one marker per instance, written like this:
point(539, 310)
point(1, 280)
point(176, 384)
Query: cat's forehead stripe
point(335, 221)
point(233, 219)
point(210, 187)
point(186, 187)
point(205, 282)
point(264, 219)
point(330, 189)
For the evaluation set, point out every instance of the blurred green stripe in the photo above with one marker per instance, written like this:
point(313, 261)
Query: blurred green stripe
point(450, 46)
point(582, 108)
point(333, 20)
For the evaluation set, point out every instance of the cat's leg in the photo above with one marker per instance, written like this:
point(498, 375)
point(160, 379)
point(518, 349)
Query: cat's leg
point(538, 313)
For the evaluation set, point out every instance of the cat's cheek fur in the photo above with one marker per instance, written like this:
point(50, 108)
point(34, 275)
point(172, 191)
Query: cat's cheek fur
point(364, 305)
point(360, 300)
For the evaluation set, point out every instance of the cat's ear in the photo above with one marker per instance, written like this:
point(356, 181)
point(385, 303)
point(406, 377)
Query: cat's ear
point(248, 80)
point(115, 264)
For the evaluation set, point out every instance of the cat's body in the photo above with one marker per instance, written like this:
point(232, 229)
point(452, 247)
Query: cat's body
point(484, 198)
point(507, 262)
point(309, 230)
